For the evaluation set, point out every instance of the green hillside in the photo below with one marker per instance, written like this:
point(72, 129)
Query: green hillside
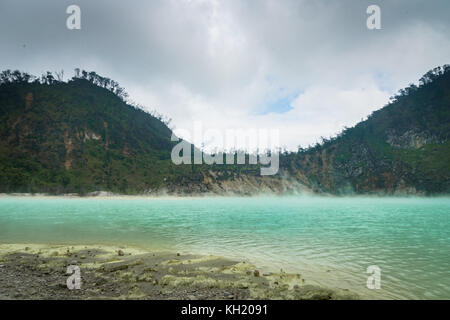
point(81, 136)
point(403, 146)
point(78, 137)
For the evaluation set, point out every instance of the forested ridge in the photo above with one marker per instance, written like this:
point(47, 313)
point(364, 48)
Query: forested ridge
point(84, 135)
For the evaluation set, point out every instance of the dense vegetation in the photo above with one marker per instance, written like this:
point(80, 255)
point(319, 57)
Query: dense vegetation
point(84, 135)
point(77, 136)
point(404, 145)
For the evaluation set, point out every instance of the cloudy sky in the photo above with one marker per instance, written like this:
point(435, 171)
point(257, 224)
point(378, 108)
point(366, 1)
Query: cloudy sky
point(304, 68)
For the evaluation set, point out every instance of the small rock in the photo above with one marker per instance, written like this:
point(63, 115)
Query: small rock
point(228, 295)
point(267, 274)
point(115, 268)
point(83, 257)
point(256, 273)
point(73, 262)
point(120, 253)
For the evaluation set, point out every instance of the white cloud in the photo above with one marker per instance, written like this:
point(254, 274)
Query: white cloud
point(224, 62)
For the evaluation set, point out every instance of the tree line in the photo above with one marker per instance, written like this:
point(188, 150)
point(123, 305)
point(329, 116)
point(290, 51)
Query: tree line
point(426, 79)
point(50, 78)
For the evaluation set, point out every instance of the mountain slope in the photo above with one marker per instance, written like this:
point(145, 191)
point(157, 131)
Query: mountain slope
point(78, 137)
point(401, 147)
point(81, 136)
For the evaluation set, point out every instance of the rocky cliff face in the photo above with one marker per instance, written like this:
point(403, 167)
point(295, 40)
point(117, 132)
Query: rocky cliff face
point(242, 185)
point(412, 139)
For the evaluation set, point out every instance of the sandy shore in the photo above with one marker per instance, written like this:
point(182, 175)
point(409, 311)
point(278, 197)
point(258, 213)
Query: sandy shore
point(35, 271)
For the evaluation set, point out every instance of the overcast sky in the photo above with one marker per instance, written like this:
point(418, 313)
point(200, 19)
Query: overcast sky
point(305, 68)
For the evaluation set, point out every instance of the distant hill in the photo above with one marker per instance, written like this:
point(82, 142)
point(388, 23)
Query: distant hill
point(82, 136)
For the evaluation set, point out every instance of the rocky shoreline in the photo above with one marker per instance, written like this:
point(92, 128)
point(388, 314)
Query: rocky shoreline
point(39, 271)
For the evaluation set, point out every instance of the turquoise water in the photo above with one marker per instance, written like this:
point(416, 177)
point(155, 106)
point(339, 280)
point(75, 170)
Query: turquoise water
point(330, 241)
